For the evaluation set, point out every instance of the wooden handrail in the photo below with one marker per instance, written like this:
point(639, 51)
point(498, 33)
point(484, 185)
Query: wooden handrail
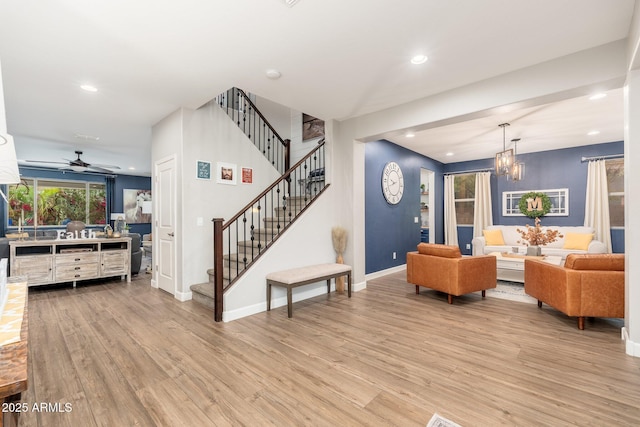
point(276, 134)
point(284, 176)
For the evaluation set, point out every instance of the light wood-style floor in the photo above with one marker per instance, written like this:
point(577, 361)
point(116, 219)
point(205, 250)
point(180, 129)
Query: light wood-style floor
point(124, 355)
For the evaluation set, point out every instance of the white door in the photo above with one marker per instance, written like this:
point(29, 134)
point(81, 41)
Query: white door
point(165, 225)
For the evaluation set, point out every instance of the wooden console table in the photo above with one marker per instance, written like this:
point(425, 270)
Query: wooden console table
point(45, 262)
point(13, 367)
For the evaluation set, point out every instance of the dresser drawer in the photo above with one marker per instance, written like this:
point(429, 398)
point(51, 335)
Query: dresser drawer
point(70, 273)
point(77, 258)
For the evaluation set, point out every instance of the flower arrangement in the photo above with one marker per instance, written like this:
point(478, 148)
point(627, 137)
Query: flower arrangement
point(535, 236)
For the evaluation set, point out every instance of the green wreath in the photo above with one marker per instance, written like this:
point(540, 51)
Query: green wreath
point(523, 205)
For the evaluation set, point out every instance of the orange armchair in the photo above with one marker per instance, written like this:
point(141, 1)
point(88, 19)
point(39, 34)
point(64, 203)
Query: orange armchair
point(588, 285)
point(443, 268)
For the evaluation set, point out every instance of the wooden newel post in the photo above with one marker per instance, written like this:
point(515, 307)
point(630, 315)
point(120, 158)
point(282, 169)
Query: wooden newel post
point(217, 268)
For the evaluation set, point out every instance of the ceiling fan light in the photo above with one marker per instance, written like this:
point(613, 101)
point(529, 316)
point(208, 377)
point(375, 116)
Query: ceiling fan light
point(76, 168)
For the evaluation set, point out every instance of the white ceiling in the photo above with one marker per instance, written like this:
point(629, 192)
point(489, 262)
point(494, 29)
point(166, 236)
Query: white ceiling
point(338, 59)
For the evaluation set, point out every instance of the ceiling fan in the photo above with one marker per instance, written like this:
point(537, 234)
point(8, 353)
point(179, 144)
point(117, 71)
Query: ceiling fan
point(79, 165)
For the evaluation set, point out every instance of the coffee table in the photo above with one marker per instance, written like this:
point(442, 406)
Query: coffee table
point(511, 266)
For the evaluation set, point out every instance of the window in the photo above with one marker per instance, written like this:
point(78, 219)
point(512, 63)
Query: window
point(42, 202)
point(615, 182)
point(464, 195)
point(559, 202)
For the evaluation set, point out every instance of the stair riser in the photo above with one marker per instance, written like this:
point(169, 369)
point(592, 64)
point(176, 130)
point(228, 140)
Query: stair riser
point(204, 300)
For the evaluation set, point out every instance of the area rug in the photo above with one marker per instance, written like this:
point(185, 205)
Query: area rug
point(512, 291)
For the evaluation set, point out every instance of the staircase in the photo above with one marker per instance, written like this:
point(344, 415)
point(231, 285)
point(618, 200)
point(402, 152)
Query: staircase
point(240, 241)
point(248, 250)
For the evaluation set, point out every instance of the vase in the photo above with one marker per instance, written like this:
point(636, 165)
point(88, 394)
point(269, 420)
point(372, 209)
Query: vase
point(534, 251)
point(340, 280)
point(75, 227)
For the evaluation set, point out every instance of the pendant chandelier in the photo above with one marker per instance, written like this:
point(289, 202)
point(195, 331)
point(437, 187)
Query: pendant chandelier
point(517, 171)
point(504, 158)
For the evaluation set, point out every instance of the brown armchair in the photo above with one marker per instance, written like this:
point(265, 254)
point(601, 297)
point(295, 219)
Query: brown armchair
point(588, 285)
point(443, 268)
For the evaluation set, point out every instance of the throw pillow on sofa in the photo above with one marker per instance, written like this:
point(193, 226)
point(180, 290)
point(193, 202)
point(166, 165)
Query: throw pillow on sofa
point(578, 241)
point(493, 237)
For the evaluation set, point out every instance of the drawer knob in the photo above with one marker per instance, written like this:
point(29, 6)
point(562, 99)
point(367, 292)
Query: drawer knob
point(77, 268)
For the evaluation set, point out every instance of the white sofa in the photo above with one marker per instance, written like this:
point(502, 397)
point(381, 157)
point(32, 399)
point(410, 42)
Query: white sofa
point(557, 248)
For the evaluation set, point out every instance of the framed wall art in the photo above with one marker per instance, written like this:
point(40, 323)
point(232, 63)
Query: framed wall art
point(311, 127)
point(132, 202)
point(203, 169)
point(247, 175)
point(226, 173)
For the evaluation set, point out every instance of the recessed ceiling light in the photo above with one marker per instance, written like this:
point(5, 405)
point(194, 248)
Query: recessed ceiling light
point(87, 137)
point(290, 3)
point(89, 88)
point(597, 96)
point(273, 74)
point(593, 132)
point(419, 59)
point(410, 135)
point(131, 168)
point(449, 154)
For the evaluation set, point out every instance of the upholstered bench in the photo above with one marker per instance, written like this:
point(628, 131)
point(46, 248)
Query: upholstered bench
point(306, 275)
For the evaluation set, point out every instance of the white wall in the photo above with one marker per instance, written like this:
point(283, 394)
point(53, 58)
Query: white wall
point(631, 332)
point(3, 116)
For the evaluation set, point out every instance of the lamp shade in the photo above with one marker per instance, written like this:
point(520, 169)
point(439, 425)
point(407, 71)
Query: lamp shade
point(9, 173)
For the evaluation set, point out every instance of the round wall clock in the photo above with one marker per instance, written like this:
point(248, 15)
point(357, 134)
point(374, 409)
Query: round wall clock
point(392, 183)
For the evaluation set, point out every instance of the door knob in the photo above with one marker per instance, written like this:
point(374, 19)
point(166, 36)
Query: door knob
point(171, 234)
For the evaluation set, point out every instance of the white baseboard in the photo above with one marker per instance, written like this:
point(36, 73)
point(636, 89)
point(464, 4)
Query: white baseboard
point(631, 348)
point(183, 296)
point(381, 273)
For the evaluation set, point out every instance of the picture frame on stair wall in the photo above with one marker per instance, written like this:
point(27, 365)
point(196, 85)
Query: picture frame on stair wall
point(247, 175)
point(203, 169)
point(226, 173)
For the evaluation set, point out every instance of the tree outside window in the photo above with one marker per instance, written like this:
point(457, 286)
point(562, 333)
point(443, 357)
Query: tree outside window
point(615, 182)
point(464, 195)
point(53, 203)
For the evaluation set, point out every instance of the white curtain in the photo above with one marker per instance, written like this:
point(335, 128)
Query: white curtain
point(482, 214)
point(450, 223)
point(596, 212)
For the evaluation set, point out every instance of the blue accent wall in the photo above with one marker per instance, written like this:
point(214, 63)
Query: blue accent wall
point(545, 170)
point(132, 183)
point(391, 228)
